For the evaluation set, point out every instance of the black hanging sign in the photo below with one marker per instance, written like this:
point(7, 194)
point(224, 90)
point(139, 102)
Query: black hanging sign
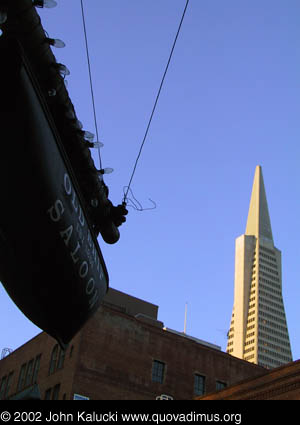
point(50, 261)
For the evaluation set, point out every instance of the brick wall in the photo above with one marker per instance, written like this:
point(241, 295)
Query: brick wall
point(117, 351)
point(282, 383)
point(112, 358)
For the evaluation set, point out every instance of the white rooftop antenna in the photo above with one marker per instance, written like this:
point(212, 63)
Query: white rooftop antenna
point(185, 316)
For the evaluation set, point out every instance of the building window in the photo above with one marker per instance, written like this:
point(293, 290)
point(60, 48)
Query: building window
point(57, 359)
point(36, 368)
point(158, 370)
point(220, 385)
point(48, 394)
point(53, 359)
point(61, 359)
point(52, 393)
point(2, 387)
point(199, 384)
point(21, 377)
point(29, 373)
point(56, 392)
point(9, 379)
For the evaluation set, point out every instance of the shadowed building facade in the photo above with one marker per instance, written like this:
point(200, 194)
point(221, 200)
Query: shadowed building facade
point(258, 331)
point(122, 353)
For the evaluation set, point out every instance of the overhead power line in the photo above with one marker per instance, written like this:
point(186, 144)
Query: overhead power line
point(156, 101)
point(91, 80)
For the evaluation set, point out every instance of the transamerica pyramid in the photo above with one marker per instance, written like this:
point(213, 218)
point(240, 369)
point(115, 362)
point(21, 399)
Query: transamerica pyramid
point(258, 330)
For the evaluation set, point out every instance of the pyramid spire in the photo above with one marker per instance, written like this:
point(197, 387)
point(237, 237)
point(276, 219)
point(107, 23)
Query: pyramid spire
point(258, 329)
point(258, 222)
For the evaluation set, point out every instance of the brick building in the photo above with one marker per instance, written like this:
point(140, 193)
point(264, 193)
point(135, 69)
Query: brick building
point(123, 352)
point(282, 383)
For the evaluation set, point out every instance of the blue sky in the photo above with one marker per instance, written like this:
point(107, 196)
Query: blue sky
point(230, 102)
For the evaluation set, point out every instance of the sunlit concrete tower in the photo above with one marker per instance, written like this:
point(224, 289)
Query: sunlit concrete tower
point(258, 330)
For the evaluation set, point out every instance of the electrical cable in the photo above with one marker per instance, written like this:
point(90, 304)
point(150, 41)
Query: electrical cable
point(135, 204)
point(91, 81)
point(156, 101)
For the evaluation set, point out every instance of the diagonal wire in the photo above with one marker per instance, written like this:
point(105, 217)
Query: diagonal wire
point(156, 101)
point(91, 80)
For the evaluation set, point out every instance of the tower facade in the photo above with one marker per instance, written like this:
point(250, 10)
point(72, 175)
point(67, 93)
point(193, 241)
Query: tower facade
point(258, 330)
